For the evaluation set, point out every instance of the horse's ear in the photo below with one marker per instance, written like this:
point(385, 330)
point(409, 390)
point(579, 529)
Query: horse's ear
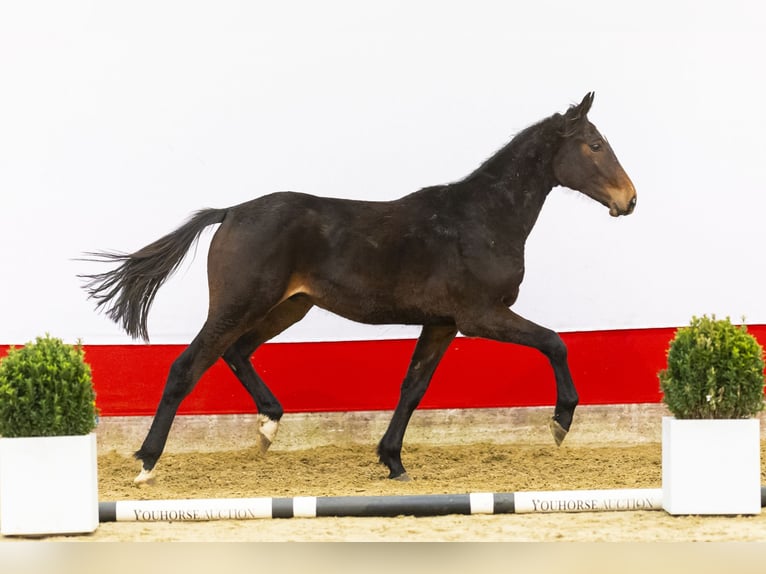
point(582, 109)
point(586, 103)
point(575, 113)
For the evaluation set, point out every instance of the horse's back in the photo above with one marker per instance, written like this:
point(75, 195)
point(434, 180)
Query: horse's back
point(319, 223)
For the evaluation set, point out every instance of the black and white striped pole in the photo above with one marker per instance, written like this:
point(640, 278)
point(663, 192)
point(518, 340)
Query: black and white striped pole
point(410, 505)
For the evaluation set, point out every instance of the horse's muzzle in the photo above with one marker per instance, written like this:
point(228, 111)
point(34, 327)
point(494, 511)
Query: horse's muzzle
point(615, 210)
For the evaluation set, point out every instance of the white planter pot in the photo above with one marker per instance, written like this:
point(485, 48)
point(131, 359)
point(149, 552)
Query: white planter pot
point(48, 485)
point(711, 466)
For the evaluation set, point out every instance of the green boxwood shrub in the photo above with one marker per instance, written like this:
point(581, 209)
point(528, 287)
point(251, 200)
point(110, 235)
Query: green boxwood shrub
point(46, 389)
point(715, 371)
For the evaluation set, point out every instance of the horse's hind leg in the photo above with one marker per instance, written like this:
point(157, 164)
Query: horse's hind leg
point(238, 356)
point(431, 346)
point(184, 373)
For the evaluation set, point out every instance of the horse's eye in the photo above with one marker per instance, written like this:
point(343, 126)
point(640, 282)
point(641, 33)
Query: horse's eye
point(596, 146)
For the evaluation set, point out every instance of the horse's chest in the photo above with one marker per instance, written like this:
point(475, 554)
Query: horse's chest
point(493, 254)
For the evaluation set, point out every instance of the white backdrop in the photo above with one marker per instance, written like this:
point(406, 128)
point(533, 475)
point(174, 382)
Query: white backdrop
point(118, 119)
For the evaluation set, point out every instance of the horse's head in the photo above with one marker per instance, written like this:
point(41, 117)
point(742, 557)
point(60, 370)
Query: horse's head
point(585, 162)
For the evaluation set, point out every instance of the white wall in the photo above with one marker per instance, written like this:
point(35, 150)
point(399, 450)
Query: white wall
point(118, 119)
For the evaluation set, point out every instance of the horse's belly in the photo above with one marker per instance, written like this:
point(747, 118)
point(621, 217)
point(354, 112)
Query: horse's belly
point(380, 308)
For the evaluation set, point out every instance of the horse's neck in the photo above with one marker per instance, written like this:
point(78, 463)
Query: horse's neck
point(525, 201)
point(515, 186)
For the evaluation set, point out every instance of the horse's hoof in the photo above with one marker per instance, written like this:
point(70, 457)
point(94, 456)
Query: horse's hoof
point(267, 432)
point(558, 432)
point(404, 477)
point(262, 443)
point(145, 477)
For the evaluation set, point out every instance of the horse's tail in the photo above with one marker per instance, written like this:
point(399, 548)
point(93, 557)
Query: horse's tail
point(127, 292)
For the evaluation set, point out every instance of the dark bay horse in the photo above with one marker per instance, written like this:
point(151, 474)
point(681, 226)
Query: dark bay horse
point(448, 257)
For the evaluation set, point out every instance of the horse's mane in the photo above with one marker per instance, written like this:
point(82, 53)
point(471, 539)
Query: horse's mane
point(524, 149)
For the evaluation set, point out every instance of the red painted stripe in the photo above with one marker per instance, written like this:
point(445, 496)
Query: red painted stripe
point(608, 367)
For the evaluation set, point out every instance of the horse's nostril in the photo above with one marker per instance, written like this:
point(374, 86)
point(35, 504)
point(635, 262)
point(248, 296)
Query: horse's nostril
point(632, 204)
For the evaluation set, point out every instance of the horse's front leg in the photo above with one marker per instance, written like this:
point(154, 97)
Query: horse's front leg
point(502, 324)
point(430, 349)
